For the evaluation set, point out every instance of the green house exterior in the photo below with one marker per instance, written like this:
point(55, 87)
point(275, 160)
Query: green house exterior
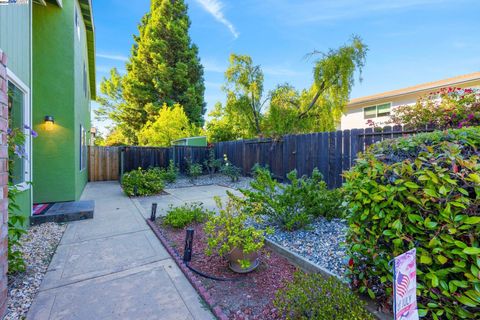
point(51, 58)
point(63, 85)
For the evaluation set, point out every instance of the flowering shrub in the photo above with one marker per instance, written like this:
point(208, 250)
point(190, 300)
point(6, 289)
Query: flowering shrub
point(230, 170)
point(423, 192)
point(447, 108)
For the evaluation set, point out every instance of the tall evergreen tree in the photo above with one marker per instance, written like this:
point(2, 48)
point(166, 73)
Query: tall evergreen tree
point(164, 67)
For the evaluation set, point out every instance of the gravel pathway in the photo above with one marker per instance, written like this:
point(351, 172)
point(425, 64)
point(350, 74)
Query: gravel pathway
point(321, 243)
point(205, 180)
point(39, 245)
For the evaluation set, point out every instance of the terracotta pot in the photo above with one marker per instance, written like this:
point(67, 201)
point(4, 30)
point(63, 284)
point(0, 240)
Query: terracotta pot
point(237, 254)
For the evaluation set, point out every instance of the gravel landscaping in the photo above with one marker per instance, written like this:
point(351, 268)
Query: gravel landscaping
point(39, 245)
point(206, 180)
point(321, 243)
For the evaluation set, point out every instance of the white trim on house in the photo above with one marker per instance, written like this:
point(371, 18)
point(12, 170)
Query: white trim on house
point(27, 162)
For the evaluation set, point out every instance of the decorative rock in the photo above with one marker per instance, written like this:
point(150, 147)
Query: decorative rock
point(38, 247)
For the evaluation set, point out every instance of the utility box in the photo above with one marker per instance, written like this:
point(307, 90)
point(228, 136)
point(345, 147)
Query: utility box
point(191, 142)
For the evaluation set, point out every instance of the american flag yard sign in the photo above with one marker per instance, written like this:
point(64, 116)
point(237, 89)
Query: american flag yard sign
point(405, 286)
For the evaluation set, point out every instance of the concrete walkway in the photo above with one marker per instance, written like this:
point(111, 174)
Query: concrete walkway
point(113, 267)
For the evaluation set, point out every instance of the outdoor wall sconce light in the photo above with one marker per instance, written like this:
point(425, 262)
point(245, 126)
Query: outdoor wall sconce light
point(49, 122)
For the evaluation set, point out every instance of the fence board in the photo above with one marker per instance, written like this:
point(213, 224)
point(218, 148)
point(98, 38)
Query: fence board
point(103, 163)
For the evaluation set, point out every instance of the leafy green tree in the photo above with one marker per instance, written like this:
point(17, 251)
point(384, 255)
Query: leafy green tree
point(170, 124)
point(244, 89)
point(164, 67)
point(321, 106)
point(220, 126)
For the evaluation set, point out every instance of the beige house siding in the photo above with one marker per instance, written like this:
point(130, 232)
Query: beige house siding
point(353, 117)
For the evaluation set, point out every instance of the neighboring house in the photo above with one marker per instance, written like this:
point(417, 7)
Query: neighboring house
point(378, 107)
point(51, 73)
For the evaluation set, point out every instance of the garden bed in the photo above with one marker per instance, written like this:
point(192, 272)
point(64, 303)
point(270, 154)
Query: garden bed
point(38, 247)
point(249, 297)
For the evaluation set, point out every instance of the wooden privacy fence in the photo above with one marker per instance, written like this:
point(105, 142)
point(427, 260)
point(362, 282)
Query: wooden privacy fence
point(330, 152)
point(103, 163)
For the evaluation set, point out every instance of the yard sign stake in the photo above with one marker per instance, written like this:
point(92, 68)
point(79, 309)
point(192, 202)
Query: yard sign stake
point(405, 286)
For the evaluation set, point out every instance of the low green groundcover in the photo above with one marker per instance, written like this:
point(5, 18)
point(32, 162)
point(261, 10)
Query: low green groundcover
point(423, 192)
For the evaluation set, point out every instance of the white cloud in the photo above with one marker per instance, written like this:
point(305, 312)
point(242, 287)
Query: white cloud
point(215, 8)
point(112, 56)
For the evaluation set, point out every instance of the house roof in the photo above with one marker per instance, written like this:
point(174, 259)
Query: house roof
point(87, 13)
point(424, 87)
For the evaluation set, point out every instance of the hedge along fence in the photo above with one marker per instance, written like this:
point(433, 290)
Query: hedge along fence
point(421, 192)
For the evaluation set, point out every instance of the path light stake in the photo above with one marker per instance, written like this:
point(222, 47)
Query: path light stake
point(153, 215)
point(187, 254)
point(135, 191)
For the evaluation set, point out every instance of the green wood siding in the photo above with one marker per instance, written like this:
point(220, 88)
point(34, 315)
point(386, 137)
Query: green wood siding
point(15, 38)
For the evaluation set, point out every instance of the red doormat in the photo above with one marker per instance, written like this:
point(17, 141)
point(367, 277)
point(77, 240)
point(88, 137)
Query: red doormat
point(41, 208)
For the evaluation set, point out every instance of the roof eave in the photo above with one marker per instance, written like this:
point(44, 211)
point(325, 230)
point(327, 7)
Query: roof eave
point(87, 13)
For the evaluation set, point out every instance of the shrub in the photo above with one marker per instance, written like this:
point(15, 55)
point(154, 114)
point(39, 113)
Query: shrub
point(143, 182)
point(312, 296)
point(179, 217)
point(229, 229)
point(423, 192)
point(194, 170)
point(170, 173)
point(230, 170)
point(292, 206)
point(212, 164)
point(456, 108)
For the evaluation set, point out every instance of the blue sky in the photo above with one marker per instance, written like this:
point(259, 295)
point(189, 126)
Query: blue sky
point(410, 41)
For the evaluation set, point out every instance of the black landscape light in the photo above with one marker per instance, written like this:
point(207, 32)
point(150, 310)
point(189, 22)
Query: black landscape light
point(135, 191)
point(153, 215)
point(187, 254)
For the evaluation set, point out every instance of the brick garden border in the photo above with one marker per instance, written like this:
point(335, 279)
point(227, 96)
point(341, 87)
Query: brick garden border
point(202, 291)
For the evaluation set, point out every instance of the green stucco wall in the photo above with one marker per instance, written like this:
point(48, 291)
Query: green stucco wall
point(56, 80)
point(15, 41)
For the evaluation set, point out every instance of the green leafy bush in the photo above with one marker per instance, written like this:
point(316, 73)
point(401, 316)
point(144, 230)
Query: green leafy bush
point(312, 296)
point(229, 229)
point(211, 163)
point(292, 206)
point(194, 170)
point(230, 170)
point(143, 182)
point(423, 192)
point(170, 173)
point(179, 217)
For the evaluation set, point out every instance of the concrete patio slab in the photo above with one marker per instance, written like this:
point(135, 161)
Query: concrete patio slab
point(147, 292)
point(93, 258)
point(113, 267)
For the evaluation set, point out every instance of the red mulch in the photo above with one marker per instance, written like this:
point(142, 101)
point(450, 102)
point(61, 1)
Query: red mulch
point(249, 298)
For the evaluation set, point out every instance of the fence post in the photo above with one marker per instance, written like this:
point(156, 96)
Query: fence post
point(122, 162)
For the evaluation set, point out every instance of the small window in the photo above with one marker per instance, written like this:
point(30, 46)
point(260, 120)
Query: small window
point(77, 23)
point(83, 148)
point(382, 110)
point(370, 112)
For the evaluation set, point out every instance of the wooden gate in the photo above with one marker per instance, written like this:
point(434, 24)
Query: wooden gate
point(103, 164)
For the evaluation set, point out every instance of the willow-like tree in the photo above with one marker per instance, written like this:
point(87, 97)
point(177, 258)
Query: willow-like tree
point(321, 106)
point(164, 67)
